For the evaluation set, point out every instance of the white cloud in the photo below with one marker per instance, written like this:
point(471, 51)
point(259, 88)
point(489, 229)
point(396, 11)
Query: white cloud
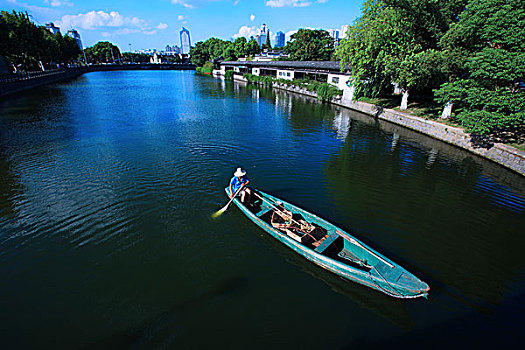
point(34, 11)
point(246, 32)
point(292, 3)
point(162, 26)
point(191, 4)
point(252, 17)
point(96, 19)
point(58, 3)
point(181, 17)
point(183, 3)
point(288, 34)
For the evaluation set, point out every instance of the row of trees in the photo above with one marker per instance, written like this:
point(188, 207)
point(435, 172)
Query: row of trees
point(471, 52)
point(305, 45)
point(25, 44)
point(310, 45)
point(102, 52)
point(214, 48)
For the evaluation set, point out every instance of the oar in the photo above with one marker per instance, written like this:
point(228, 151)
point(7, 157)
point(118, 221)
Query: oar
point(223, 209)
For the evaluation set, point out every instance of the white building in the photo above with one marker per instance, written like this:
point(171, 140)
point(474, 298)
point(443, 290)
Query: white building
point(262, 37)
point(51, 27)
point(185, 41)
point(156, 59)
point(344, 30)
point(74, 34)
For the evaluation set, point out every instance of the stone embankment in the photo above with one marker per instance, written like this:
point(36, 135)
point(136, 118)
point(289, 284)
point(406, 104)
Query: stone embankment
point(502, 154)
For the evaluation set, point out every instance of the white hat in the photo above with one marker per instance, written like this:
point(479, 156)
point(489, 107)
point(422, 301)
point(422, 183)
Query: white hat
point(239, 172)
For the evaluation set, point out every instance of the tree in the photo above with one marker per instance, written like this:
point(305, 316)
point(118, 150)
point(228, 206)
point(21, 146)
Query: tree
point(253, 47)
point(484, 82)
point(310, 45)
point(229, 53)
point(397, 41)
point(26, 44)
point(240, 46)
point(199, 54)
point(102, 52)
point(268, 42)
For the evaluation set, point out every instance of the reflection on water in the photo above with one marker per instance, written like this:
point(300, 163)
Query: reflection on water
point(107, 184)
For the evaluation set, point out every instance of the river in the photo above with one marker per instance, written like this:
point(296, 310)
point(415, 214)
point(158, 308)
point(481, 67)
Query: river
point(108, 183)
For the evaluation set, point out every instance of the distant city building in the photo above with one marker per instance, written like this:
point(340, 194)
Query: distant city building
point(74, 34)
point(262, 37)
point(344, 30)
point(281, 39)
point(156, 59)
point(334, 33)
point(51, 27)
point(172, 50)
point(185, 41)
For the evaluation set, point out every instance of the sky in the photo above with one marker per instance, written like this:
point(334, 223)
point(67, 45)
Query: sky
point(153, 24)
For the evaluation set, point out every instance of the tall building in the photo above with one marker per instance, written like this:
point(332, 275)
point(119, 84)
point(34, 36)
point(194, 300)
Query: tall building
point(281, 39)
point(185, 41)
point(262, 37)
point(51, 27)
point(74, 34)
point(334, 33)
point(344, 29)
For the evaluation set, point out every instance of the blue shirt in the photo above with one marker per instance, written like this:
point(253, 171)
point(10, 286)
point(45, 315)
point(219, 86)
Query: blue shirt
point(236, 184)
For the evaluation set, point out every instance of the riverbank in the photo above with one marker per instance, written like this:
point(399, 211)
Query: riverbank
point(499, 153)
point(14, 83)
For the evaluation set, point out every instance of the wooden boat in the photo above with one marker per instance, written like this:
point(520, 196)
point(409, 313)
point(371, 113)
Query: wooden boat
point(330, 247)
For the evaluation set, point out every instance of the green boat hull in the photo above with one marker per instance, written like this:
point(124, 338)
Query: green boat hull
point(339, 252)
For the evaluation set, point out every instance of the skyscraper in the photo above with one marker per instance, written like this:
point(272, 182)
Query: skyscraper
point(74, 34)
point(280, 38)
point(263, 35)
point(185, 41)
point(344, 29)
point(51, 27)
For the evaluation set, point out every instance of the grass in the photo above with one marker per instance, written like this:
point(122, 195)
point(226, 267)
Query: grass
point(520, 146)
point(418, 105)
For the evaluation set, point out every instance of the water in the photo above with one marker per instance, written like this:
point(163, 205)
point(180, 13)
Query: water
point(108, 183)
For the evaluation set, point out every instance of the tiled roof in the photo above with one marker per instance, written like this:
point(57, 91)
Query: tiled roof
point(310, 65)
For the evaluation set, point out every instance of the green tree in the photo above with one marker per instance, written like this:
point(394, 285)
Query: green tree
point(484, 82)
point(240, 46)
point(310, 45)
point(253, 47)
point(268, 42)
point(26, 44)
point(397, 41)
point(102, 52)
point(199, 54)
point(229, 53)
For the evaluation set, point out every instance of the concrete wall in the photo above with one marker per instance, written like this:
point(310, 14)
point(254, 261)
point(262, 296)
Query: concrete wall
point(18, 85)
point(285, 74)
point(501, 154)
point(339, 80)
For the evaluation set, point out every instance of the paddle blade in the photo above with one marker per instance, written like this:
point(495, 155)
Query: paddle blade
point(218, 213)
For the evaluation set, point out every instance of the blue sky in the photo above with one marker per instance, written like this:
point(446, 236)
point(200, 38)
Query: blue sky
point(156, 23)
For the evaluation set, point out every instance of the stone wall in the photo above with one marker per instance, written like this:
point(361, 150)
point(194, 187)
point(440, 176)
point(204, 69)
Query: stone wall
point(17, 83)
point(504, 155)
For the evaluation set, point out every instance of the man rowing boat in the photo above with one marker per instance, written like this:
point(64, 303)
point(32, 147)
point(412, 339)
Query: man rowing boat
point(239, 180)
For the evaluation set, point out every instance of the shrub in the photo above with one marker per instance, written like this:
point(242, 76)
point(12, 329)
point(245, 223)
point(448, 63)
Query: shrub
point(326, 92)
point(229, 75)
